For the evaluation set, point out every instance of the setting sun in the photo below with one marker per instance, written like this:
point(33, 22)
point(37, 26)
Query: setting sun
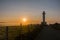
point(24, 19)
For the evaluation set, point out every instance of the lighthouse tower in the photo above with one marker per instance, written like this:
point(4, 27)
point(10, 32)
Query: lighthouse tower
point(43, 17)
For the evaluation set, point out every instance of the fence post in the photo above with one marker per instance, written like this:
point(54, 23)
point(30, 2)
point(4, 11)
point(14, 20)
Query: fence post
point(6, 32)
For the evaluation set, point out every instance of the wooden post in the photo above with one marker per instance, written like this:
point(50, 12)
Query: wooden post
point(6, 33)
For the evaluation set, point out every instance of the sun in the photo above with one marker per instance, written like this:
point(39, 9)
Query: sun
point(24, 19)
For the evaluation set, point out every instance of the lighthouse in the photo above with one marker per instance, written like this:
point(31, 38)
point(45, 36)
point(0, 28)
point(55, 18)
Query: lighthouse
point(43, 18)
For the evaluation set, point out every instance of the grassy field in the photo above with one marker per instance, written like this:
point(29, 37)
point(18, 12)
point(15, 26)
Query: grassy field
point(28, 32)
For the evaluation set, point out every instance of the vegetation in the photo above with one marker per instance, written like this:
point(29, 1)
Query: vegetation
point(28, 32)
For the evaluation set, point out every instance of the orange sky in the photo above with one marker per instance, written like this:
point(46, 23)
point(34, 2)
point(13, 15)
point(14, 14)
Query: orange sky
point(12, 12)
point(29, 21)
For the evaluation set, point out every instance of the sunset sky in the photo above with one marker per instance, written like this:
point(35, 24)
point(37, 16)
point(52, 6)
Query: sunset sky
point(13, 11)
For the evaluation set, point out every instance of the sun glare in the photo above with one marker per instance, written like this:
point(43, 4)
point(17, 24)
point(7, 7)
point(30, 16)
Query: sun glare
point(24, 19)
